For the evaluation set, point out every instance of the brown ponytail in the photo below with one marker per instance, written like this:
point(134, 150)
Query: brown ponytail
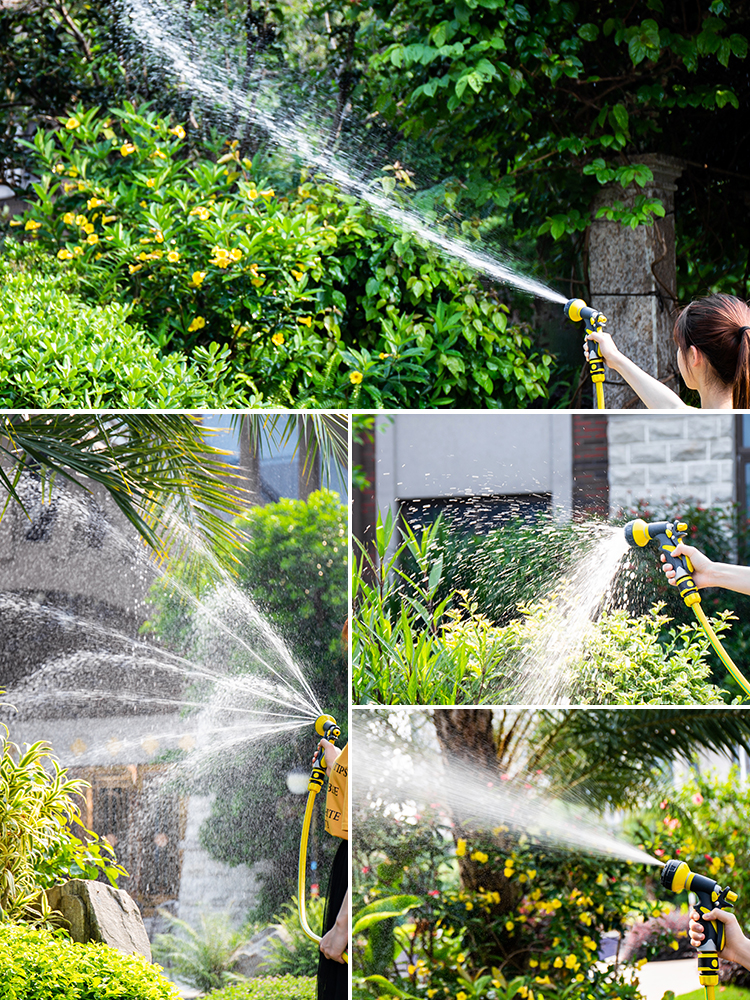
point(719, 327)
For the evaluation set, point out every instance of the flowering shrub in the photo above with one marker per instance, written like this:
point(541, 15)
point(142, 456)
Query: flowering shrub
point(317, 304)
point(531, 928)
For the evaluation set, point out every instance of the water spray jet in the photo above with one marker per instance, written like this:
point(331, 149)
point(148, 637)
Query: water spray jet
point(326, 727)
point(667, 535)
point(577, 310)
point(676, 876)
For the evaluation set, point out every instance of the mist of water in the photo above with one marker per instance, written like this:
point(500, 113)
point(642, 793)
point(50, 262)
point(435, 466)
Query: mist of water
point(547, 668)
point(406, 777)
point(191, 51)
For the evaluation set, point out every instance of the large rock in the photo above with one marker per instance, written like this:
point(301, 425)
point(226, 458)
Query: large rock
point(97, 912)
point(251, 957)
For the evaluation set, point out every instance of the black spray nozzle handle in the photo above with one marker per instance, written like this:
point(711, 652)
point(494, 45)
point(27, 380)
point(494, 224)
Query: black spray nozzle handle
point(676, 876)
point(666, 534)
point(593, 320)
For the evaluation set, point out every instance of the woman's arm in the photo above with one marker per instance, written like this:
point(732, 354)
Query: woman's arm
point(710, 574)
point(655, 395)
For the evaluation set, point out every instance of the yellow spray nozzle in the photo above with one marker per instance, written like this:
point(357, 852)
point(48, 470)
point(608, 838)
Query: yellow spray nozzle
point(327, 727)
point(573, 309)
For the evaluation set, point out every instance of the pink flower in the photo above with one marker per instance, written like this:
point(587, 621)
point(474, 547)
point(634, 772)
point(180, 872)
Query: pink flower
point(664, 804)
point(433, 892)
point(697, 798)
point(659, 851)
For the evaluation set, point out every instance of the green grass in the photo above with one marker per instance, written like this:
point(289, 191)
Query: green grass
point(722, 993)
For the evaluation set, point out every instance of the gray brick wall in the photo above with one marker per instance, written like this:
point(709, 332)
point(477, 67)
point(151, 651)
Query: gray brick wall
point(658, 458)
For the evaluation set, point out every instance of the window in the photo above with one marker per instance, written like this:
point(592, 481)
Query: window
point(742, 444)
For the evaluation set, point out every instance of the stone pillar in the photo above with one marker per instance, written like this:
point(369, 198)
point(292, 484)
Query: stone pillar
point(632, 280)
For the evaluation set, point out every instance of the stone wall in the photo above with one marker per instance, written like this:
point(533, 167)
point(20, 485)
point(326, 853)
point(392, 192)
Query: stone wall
point(660, 458)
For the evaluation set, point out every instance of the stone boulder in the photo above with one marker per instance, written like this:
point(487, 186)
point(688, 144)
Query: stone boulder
point(98, 912)
point(251, 957)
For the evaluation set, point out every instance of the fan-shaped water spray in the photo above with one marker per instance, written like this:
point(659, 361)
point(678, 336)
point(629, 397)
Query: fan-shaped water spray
point(190, 48)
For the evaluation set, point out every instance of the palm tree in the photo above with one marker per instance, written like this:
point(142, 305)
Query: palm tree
point(159, 469)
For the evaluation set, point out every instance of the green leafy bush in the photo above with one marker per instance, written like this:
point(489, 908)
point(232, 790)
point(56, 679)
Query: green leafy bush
point(200, 956)
point(318, 304)
point(500, 916)
point(58, 351)
point(37, 965)
point(412, 646)
point(38, 848)
point(300, 956)
point(270, 988)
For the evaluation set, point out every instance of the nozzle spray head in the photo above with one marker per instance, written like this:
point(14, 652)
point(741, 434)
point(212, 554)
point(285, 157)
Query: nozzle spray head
point(576, 310)
point(327, 727)
point(676, 876)
point(666, 534)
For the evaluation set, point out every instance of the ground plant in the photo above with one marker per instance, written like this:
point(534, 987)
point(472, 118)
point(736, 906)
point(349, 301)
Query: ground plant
point(42, 841)
point(418, 642)
point(35, 963)
point(270, 988)
point(201, 956)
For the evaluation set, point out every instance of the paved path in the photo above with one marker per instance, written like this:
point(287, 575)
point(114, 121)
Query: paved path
point(680, 975)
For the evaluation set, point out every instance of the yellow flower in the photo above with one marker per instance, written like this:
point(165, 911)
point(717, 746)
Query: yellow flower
point(580, 977)
point(179, 131)
point(107, 219)
point(640, 963)
point(298, 275)
point(278, 339)
point(150, 182)
point(531, 872)
point(307, 321)
point(197, 324)
point(198, 277)
point(202, 213)
point(508, 872)
point(533, 963)
point(94, 202)
point(469, 905)
point(69, 218)
point(64, 254)
point(571, 962)
point(88, 228)
point(72, 123)
point(257, 282)
point(479, 856)
point(32, 224)
point(58, 168)
point(355, 378)
point(460, 843)
point(92, 238)
point(158, 235)
point(268, 193)
point(558, 963)
point(674, 944)
point(173, 256)
point(81, 220)
point(462, 996)
point(77, 251)
point(134, 267)
point(235, 254)
point(411, 969)
point(143, 204)
point(158, 155)
point(127, 148)
point(509, 925)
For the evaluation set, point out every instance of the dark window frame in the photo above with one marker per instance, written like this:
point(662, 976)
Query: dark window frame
point(742, 460)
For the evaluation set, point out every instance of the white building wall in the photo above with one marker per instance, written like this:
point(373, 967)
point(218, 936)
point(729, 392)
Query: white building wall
point(427, 455)
point(662, 458)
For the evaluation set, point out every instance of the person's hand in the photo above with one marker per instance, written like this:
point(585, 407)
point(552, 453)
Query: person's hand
point(736, 945)
point(331, 754)
point(607, 348)
point(702, 566)
point(333, 944)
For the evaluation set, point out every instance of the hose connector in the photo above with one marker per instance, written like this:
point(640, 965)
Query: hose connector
point(667, 535)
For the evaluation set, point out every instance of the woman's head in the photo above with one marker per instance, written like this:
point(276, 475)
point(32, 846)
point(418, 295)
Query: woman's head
point(719, 327)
